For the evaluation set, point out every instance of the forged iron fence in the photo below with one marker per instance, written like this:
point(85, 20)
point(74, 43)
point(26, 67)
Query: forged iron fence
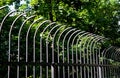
point(32, 47)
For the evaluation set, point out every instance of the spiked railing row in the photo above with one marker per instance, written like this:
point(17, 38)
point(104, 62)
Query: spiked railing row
point(39, 48)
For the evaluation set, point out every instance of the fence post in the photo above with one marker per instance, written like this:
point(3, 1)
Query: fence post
point(52, 71)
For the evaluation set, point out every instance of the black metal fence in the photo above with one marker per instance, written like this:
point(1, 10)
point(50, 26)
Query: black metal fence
point(40, 48)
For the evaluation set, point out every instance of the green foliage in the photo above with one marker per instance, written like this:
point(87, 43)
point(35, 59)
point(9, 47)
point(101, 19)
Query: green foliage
point(94, 16)
point(5, 2)
point(98, 16)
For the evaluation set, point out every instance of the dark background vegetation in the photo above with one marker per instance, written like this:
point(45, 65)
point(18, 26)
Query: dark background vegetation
point(96, 16)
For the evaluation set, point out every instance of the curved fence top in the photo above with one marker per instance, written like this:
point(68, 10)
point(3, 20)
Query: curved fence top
point(52, 50)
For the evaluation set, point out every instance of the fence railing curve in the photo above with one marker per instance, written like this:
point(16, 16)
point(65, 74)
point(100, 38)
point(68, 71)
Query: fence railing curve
point(39, 48)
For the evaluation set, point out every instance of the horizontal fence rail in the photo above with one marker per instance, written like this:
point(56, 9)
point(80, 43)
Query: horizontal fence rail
point(33, 47)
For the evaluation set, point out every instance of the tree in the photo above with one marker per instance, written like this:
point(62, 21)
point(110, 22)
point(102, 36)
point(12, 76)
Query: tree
point(96, 16)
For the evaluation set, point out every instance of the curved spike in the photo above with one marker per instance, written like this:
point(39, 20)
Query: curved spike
point(88, 45)
point(92, 45)
point(63, 42)
point(47, 49)
point(77, 31)
point(5, 19)
point(112, 53)
point(47, 27)
point(21, 30)
point(104, 61)
point(59, 41)
point(39, 19)
point(105, 52)
point(55, 36)
point(89, 55)
point(41, 39)
point(84, 34)
point(76, 51)
point(47, 21)
point(41, 45)
point(10, 34)
point(19, 41)
point(96, 39)
point(3, 7)
point(99, 73)
point(10, 43)
point(118, 54)
point(84, 57)
point(108, 59)
point(48, 37)
point(53, 48)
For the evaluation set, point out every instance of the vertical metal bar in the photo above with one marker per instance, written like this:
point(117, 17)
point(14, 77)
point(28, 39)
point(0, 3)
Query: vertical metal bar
point(73, 70)
point(113, 74)
point(93, 58)
point(40, 55)
point(19, 39)
point(52, 68)
point(47, 21)
point(76, 51)
point(84, 55)
point(116, 57)
point(68, 54)
point(108, 56)
point(82, 35)
point(9, 59)
point(41, 35)
point(89, 56)
point(58, 49)
point(102, 63)
point(54, 41)
point(63, 44)
point(68, 62)
point(100, 75)
point(96, 61)
point(27, 40)
point(77, 54)
point(112, 57)
point(8, 72)
point(53, 48)
point(18, 59)
point(41, 45)
point(98, 57)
